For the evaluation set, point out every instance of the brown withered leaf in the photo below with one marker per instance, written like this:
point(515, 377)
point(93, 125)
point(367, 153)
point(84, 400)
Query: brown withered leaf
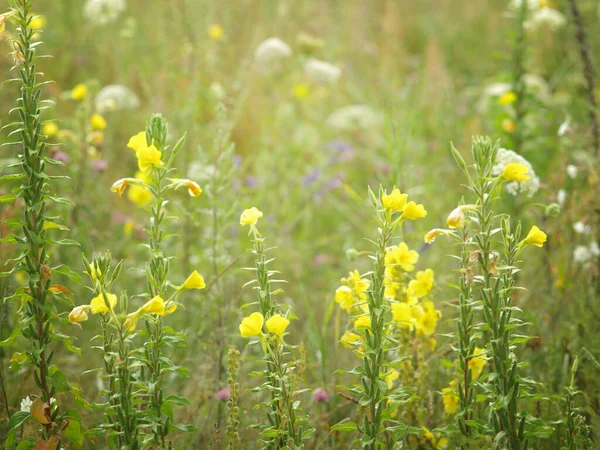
point(50, 444)
point(41, 412)
point(60, 288)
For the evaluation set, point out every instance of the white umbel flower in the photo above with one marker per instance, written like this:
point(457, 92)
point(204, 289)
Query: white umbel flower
point(270, 53)
point(582, 254)
point(545, 17)
point(102, 12)
point(581, 228)
point(116, 97)
point(561, 197)
point(322, 72)
point(354, 117)
point(572, 171)
point(528, 187)
point(26, 404)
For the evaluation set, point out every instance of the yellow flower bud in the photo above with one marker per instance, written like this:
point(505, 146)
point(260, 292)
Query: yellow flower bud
point(250, 216)
point(535, 237)
point(391, 377)
point(154, 306)
point(277, 325)
point(395, 201)
point(98, 122)
point(516, 172)
point(78, 314)
point(252, 325)
point(37, 23)
point(413, 211)
point(456, 219)
point(194, 189)
point(194, 281)
point(119, 186)
point(50, 129)
point(79, 92)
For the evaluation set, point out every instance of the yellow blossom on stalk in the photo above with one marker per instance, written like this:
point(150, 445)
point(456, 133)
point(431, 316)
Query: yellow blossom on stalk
point(516, 172)
point(450, 399)
point(250, 216)
point(79, 92)
point(509, 125)
point(437, 443)
point(300, 91)
point(402, 313)
point(138, 141)
point(456, 219)
point(363, 322)
point(535, 237)
point(277, 324)
point(401, 256)
point(431, 235)
point(422, 284)
point(358, 284)
point(413, 211)
point(154, 306)
point(349, 338)
point(391, 377)
point(252, 325)
point(194, 281)
point(194, 189)
point(131, 321)
point(139, 194)
point(37, 23)
point(148, 157)
point(395, 201)
point(98, 304)
point(427, 318)
point(507, 98)
point(50, 129)
point(98, 122)
point(345, 298)
point(477, 362)
point(120, 185)
point(78, 314)
point(216, 32)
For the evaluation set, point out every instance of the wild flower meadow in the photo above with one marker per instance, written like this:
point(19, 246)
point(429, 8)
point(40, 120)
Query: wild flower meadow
point(299, 225)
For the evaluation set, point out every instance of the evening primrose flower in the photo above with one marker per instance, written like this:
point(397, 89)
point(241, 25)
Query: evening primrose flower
point(349, 338)
point(345, 298)
point(516, 172)
point(413, 211)
point(422, 284)
point(252, 325)
point(138, 141)
point(391, 377)
point(98, 304)
point(250, 216)
point(535, 237)
point(50, 129)
point(148, 157)
point(193, 188)
point(477, 362)
point(216, 32)
point(394, 201)
point(37, 23)
point(138, 193)
point(363, 322)
point(401, 256)
point(402, 313)
point(78, 314)
point(427, 318)
point(154, 306)
point(431, 235)
point(450, 399)
point(98, 122)
point(194, 281)
point(277, 325)
point(529, 186)
point(456, 219)
point(507, 98)
point(79, 92)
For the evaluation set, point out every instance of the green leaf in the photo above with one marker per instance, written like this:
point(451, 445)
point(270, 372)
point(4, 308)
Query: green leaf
point(7, 198)
point(73, 433)
point(176, 400)
point(344, 426)
point(67, 271)
point(12, 338)
point(18, 419)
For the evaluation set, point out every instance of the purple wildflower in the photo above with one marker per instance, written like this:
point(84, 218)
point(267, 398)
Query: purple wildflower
point(320, 396)
point(223, 394)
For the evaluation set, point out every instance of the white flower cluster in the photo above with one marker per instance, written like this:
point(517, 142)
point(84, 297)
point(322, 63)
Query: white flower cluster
point(528, 187)
point(354, 117)
point(322, 72)
point(270, 53)
point(545, 17)
point(102, 12)
point(116, 97)
point(583, 254)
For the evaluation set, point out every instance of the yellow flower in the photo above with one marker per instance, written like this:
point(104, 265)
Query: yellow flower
point(98, 304)
point(148, 156)
point(170, 310)
point(413, 211)
point(507, 98)
point(120, 185)
point(216, 32)
point(277, 324)
point(2, 23)
point(431, 235)
point(78, 314)
point(250, 216)
point(95, 271)
point(301, 91)
point(194, 189)
point(37, 23)
point(349, 338)
point(98, 122)
point(509, 126)
point(363, 322)
point(516, 172)
point(427, 318)
point(477, 362)
point(79, 92)
point(391, 377)
point(139, 194)
point(50, 129)
point(450, 399)
point(343, 296)
point(358, 284)
point(252, 325)
point(194, 281)
point(138, 141)
point(131, 321)
point(154, 306)
point(402, 313)
point(401, 256)
point(456, 219)
point(396, 201)
point(422, 284)
point(535, 237)
point(97, 137)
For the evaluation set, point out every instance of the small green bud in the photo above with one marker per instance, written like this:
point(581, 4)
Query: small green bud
point(552, 210)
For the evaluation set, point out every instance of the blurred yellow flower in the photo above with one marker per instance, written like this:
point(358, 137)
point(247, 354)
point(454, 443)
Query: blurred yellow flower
point(349, 338)
point(516, 172)
point(79, 92)
point(194, 189)
point(37, 23)
point(477, 362)
point(431, 235)
point(456, 219)
point(413, 211)
point(216, 32)
point(507, 98)
point(250, 216)
point(50, 129)
point(194, 281)
point(345, 298)
point(252, 325)
point(535, 237)
point(391, 377)
point(395, 201)
point(301, 91)
point(98, 304)
point(120, 185)
point(422, 284)
point(139, 194)
point(509, 125)
point(277, 324)
point(78, 314)
point(427, 318)
point(402, 313)
point(450, 399)
point(363, 322)
point(148, 157)
point(154, 306)
point(138, 141)
point(98, 122)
